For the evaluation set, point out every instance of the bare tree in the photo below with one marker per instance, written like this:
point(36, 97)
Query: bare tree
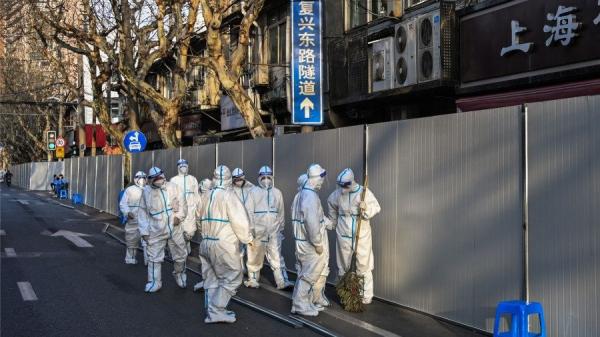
point(25, 76)
point(228, 70)
point(132, 36)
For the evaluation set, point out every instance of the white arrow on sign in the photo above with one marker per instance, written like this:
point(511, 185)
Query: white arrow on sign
point(307, 105)
point(74, 237)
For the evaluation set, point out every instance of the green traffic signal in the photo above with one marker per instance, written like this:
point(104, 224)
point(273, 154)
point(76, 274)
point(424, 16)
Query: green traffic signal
point(51, 139)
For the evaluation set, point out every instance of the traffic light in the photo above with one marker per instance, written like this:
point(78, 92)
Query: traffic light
point(74, 150)
point(51, 139)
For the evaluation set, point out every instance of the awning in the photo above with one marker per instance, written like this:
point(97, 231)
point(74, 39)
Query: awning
point(511, 98)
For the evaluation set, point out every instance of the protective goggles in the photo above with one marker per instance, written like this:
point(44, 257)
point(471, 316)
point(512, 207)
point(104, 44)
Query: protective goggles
point(156, 175)
point(344, 183)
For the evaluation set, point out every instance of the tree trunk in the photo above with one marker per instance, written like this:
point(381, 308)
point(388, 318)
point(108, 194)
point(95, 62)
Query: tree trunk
point(168, 126)
point(127, 168)
point(133, 112)
point(61, 114)
point(81, 137)
point(248, 110)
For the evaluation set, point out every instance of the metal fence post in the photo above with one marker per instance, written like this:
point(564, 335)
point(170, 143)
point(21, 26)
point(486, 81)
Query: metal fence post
point(525, 195)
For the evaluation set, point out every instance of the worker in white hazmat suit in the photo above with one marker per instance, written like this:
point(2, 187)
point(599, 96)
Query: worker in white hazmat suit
point(345, 209)
point(129, 205)
point(225, 223)
point(266, 209)
point(312, 246)
point(190, 194)
point(301, 181)
point(162, 209)
point(205, 187)
point(242, 188)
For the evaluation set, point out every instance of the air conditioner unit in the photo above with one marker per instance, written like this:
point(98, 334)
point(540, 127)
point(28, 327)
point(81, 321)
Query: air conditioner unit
point(428, 55)
point(260, 76)
point(382, 75)
point(405, 43)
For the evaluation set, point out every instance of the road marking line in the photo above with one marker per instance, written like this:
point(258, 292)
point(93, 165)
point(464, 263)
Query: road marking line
point(10, 252)
point(2, 232)
point(75, 238)
point(63, 205)
point(82, 212)
point(23, 202)
point(78, 241)
point(27, 291)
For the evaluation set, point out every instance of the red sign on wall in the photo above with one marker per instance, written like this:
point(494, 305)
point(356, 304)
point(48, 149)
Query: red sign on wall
point(100, 135)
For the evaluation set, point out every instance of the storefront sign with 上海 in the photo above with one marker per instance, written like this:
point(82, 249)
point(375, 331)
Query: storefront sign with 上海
point(517, 39)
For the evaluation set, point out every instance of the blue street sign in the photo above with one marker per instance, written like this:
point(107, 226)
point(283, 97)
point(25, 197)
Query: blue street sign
point(307, 94)
point(135, 141)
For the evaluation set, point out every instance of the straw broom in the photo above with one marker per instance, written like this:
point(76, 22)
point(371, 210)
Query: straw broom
point(351, 286)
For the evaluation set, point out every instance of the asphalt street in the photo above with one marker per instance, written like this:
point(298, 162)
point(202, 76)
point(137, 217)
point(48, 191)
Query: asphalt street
point(89, 291)
point(62, 275)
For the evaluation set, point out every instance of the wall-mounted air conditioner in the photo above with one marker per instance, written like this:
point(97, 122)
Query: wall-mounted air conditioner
point(405, 45)
point(436, 31)
point(382, 57)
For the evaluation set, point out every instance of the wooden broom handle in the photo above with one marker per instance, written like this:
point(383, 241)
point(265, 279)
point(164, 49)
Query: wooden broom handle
point(362, 199)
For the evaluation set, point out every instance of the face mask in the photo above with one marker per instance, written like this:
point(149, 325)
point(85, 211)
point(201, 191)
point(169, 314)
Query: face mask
point(239, 183)
point(183, 170)
point(318, 183)
point(267, 182)
point(158, 182)
point(141, 182)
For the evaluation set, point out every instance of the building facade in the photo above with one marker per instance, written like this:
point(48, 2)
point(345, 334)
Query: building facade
point(513, 53)
point(398, 59)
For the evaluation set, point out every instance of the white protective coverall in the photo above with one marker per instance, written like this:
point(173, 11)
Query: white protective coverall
point(161, 210)
point(312, 246)
point(189, 188)
point(129, 206)
point(242, 188)
point(225, 223)
point(344, 211)
point(205, 187)
point(266, 209)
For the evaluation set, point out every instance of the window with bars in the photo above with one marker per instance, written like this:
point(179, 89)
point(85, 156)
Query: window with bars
point(277, 37)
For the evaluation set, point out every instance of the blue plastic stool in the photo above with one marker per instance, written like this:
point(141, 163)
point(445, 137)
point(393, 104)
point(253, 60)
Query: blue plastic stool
point(519, 312)
point(64, 194)
point(77, 199)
